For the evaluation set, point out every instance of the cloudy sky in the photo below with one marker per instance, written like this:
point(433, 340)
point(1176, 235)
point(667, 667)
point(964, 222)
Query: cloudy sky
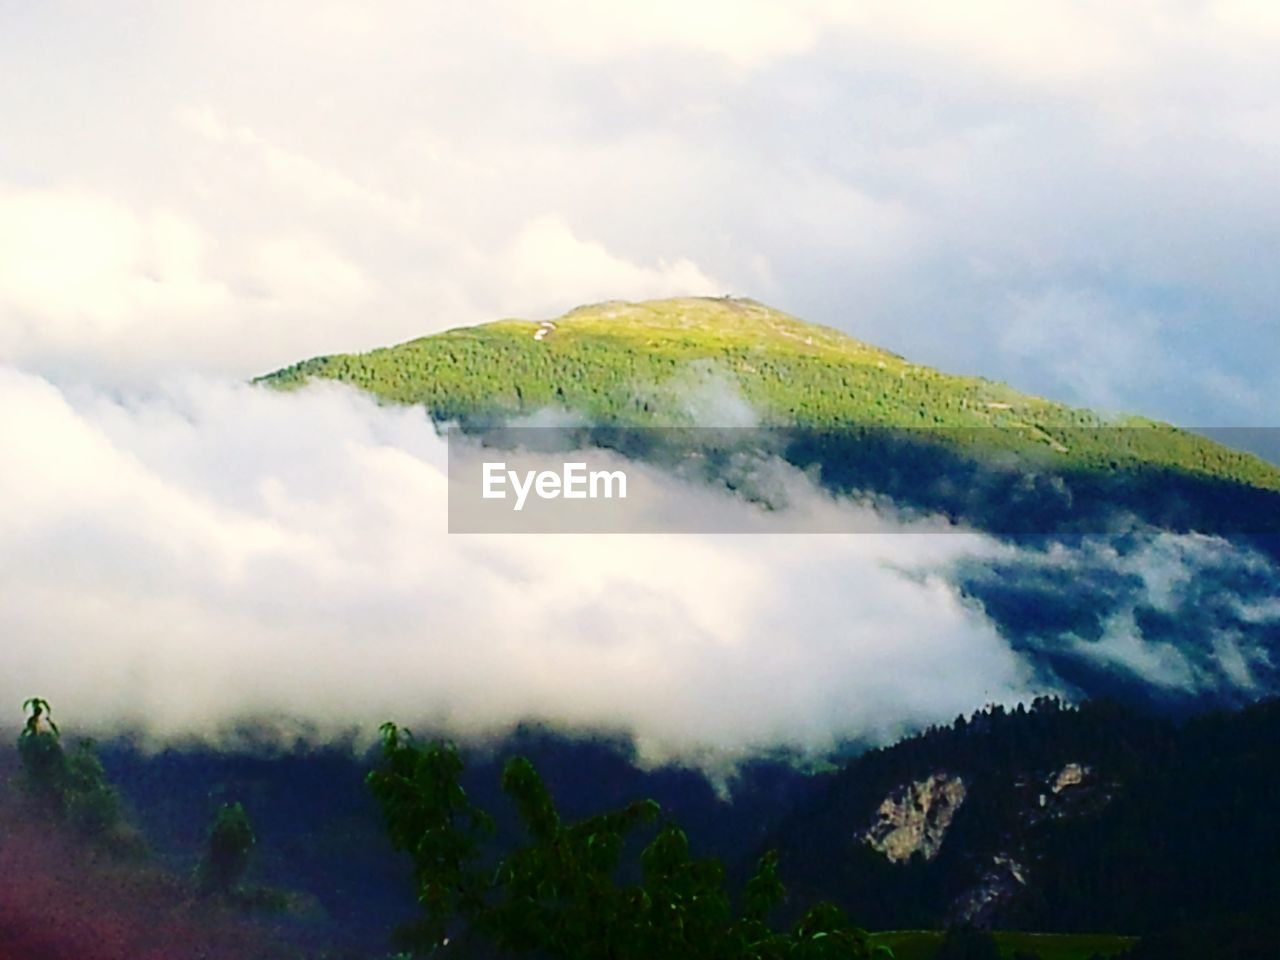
point(1078, 200)
point(183, 561)
point(1079, 197)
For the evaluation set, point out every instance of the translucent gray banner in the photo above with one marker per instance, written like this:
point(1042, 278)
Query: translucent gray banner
point(1023, 480)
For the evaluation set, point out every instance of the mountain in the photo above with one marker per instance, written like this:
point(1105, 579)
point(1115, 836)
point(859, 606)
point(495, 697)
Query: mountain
point(1091, 819)
point(1051, 818)
point(643, 364)
point(1099, 512)
point(857, 418)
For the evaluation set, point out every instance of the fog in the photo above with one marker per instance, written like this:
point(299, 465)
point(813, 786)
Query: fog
point(207, 555)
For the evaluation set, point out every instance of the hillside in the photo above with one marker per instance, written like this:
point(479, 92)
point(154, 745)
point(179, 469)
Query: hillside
point(1053, 818)
point(1094, 819)
point(665, 362)
point(62, 899)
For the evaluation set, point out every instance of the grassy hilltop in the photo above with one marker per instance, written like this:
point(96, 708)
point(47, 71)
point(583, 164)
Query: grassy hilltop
point(639, 363)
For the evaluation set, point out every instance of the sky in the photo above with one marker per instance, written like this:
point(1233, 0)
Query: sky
point(1078, 198)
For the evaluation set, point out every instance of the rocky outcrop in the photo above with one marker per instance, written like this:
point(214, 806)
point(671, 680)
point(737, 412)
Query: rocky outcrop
point(999, 883)
point(1072, 775)
point(914, 818)
point(1065, 792)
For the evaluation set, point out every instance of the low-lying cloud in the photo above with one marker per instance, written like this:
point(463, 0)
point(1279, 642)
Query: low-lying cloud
point(211, 554)
point(215, 552)
point(1178, 615)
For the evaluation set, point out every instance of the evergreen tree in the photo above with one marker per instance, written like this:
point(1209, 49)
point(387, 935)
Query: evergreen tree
point(228, 848)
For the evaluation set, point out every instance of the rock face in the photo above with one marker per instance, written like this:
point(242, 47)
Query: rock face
point(914, 818)
point(1065, 792)
point(998, 883)
point(1073, 774)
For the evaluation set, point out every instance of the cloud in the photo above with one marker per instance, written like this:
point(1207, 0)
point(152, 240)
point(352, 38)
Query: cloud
point(547, 264)
point(901, 171)
point(111, 293)
point(1148, 613)
point(76, 268)
point(1091, 349)
point(1053, 43)
point(218, 552)
point(211, 553)
point(747, 33)
point(1077, 198)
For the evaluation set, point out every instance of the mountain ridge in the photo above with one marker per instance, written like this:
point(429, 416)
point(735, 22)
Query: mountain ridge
point(633, 363)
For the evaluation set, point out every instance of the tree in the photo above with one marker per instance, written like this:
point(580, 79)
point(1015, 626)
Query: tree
point(559, 895)
point(43, 759)
point(91, 803)
point(228, 847)
point(39, 708)
point(70, 785)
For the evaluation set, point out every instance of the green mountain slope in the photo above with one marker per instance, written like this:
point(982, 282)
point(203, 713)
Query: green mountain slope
point(641, 363)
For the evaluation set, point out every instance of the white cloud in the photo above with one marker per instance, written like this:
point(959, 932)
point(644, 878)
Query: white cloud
point(1180, 614)
point(219, 551)
point(116, 293)
point(208, 553)
point(548, 266)
point(76, 268)
point(1089, 347)
point(745, 32)
point(302, 269)
point(898, 169)
point(1078, 197)
point(1049, 44)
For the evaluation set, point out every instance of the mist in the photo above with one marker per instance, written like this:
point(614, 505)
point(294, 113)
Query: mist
point(208, 555)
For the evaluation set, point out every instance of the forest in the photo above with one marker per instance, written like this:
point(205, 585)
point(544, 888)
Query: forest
point(1170, 848)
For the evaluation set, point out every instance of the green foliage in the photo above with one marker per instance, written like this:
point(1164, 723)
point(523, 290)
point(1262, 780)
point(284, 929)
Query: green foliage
point(640, 364)
point(428, 814)
point(560, 895)
point(43, 759)
point(91, 803)
point(228, 848)
point(68, 785)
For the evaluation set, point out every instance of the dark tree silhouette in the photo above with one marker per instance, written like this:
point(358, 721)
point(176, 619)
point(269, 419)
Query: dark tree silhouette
point(228, 849)
point(561, 895)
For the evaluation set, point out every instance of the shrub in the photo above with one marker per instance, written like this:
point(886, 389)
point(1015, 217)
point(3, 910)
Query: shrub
point(227, 850)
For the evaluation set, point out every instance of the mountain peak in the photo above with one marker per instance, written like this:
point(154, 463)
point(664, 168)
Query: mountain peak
point(619, 362)
point(711, 322)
